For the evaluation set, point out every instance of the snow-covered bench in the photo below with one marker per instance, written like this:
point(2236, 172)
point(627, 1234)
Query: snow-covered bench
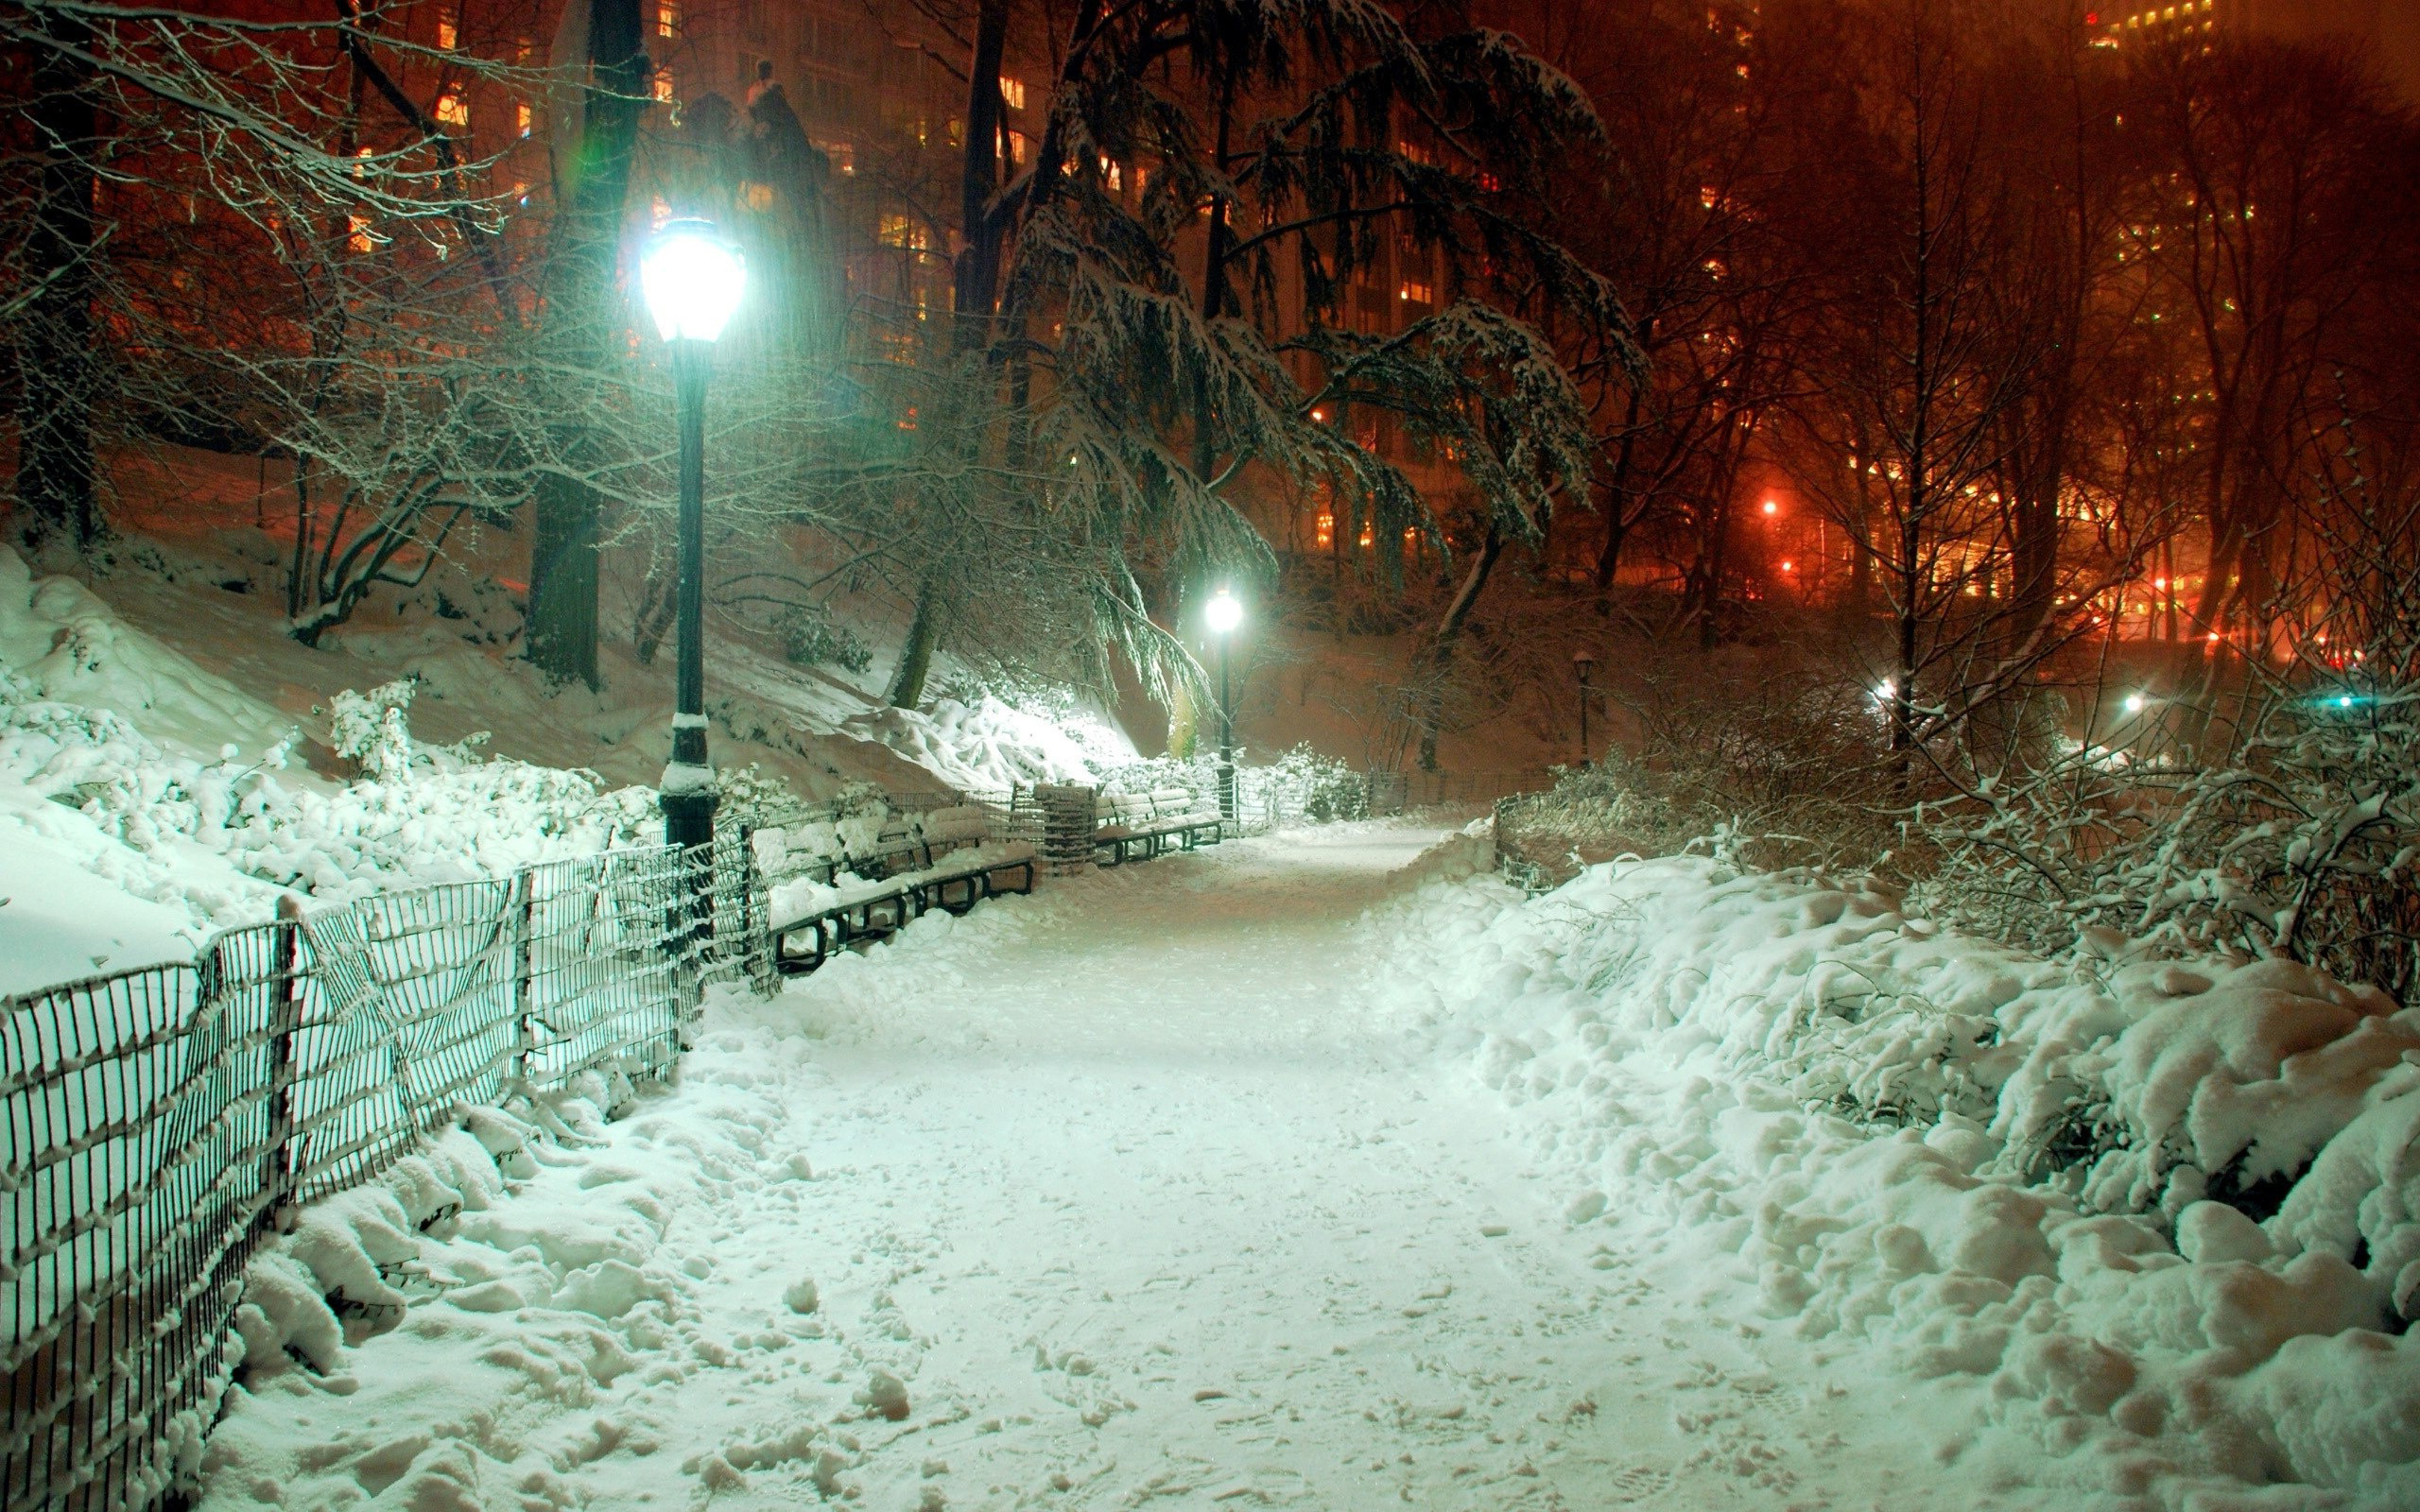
point(834, 883)
point(1138, 826)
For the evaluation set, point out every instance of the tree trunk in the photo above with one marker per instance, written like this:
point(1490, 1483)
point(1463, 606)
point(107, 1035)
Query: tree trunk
point(57, 374)
point(1449, 630)
point(916, 657)
point(582, 315)
point(974, 280)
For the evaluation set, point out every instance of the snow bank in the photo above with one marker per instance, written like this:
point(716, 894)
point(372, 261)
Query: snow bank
point(183, 799)
point(529, 1336)
point(1987, 1165)
point(989, 745)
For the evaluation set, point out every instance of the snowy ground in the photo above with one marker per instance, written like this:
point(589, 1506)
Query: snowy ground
point(1126, 1194)
point(1329, 1170)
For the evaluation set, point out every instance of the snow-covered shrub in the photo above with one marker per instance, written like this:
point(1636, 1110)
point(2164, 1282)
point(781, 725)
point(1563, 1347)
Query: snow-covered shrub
point(2301, 841)
point(810, 637)
point(1790, 770)
point(1318, 789)
point(373, 730)
point(750, 797)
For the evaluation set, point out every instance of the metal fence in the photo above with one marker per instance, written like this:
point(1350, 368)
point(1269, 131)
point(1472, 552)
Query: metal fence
point(159, 1122)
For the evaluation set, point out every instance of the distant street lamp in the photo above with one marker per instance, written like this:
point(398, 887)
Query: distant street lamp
point(1583, 664)
point(1223, 613)
point(692, 279)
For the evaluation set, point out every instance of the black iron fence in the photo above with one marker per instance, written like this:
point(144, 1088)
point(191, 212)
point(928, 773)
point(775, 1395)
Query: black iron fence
point(159, 1122)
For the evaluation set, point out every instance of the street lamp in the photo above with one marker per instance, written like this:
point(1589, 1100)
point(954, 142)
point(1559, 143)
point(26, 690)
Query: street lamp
point(692, 279)
point(1223, 613)
point(1583, 664)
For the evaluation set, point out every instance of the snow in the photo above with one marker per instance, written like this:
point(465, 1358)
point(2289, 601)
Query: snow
point(1990, 1171)
point(990, 746)
point(1120, 1194)
point(147, 802)
point(1321, 1170)
point(1324, 1169)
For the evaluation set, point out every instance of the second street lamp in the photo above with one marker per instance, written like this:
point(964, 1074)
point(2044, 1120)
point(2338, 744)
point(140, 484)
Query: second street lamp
point(692, 279)
point(1223, 613)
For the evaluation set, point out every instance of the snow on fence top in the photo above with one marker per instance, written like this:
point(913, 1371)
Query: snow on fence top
point(158, 1120)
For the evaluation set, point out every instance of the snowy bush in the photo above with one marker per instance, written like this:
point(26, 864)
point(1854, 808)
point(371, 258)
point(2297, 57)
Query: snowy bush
point(418, 815)
point(1790, 770)
point(371, 729)
point(810, 637)
point(1302, 783)
point(2301, 841)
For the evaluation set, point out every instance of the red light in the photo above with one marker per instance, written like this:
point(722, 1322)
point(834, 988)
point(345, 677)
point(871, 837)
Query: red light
point(2092, 18)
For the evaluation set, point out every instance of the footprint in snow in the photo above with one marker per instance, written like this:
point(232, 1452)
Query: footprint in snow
point(1636, 1483)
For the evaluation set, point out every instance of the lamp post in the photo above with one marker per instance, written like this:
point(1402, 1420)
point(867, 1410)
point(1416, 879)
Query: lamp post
point(1583, 663)
point(692, 279)
point(1223, 613)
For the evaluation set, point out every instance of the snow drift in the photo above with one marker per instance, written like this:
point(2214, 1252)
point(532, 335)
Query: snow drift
point(2166, 1214)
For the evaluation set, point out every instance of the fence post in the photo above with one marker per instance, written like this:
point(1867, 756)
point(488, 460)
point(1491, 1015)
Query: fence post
point(285, 1024)
point(524, 976)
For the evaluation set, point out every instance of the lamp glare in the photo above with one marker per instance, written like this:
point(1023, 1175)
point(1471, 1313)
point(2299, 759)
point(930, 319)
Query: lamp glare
point(692, 279)
point(1223, 612)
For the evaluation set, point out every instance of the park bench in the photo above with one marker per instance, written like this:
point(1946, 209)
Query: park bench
point(1138, 826)
point(864, 883)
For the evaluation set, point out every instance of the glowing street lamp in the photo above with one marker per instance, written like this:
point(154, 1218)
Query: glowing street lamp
point(1224, 613)
point(693, 279)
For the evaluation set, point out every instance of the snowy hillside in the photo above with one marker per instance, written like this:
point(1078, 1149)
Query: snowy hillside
point(157, 786)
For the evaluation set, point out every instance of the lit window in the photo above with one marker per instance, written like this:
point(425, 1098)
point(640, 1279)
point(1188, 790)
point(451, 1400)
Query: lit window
point(1414, 294)
point(523, 49)
point(453, 109)
point(448, 37)
point(898, 230)
point(1112, 175)
point(360, 157)
point(1413, 152)
point(357, 228)
point(664, 85)
point(1016, 147)
point(1013, 91)
point(521, 119)
point(667, 19)
point(1368, 539)
point(1326, 527)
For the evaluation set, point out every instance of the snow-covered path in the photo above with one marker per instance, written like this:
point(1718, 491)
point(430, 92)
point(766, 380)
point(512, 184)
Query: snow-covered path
point(1122, 1195)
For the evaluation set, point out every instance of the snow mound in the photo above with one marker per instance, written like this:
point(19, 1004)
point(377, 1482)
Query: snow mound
point(2168, 1221)
point(990, 746)
point(123, 762)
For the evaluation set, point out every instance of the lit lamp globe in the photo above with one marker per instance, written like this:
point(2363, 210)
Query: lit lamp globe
point(692, 280)
point(1223, 612)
